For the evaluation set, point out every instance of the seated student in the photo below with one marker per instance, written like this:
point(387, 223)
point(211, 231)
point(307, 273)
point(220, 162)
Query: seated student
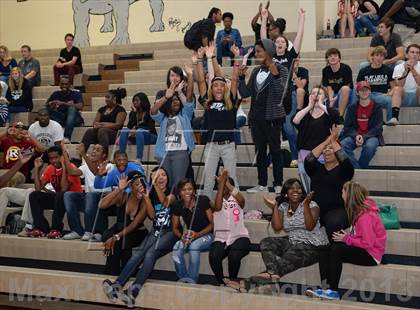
point(64, 107)
point(407, 79)
point(337, 77)
point(157, 243)
point(86, 202)
point(19, 93)
point(363, 245)
point(16, 140)
point(175, 142)
point(30, 66)
point(327, 182)
point(57, 175)
point(362, 127)
point(367, 17)
point(128, 232)
point(296, 214)
point(390, 40)
point(231, 238)
point(314, 123)
point(45, 130)
point(398, 10)
point(7, 62)
point(108, 121)
point(141, 129)
point(69, 62)
point(192, 223)
point(347, 11)
point(380, 80)
point(226, 38)
point(8, 192)
point(105, 178)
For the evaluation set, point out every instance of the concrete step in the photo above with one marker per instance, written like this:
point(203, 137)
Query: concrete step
point(104, 58)
point(156, 294)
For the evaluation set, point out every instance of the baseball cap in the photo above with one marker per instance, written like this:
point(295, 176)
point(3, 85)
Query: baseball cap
point(362, 84)
point(134, 175)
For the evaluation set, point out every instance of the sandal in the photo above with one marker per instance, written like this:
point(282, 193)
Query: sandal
point(261, 280)
point(233, 285)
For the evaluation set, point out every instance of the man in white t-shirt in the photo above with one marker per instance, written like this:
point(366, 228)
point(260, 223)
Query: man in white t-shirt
point(87, 201)
point(46, 131)
point(407, 78)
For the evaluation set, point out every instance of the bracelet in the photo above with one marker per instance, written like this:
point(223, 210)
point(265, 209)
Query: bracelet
point(117, 237)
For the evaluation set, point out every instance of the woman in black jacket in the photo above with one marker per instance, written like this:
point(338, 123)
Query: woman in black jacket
point(140, 128)
point(19, 93)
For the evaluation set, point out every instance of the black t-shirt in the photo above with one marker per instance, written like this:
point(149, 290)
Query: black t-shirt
point(391, 46)
point(328, 185)
point(20, 97)
point(162, 218)
point(111, 117)
point(200, 218)
point(219, 122)
point(146, 123)
point(313, 131)
point(378, 78)
point(287, 59)
point(303, 74)
point(72, 95)
point(363, 9)
point(68, 56)
point(336, 80)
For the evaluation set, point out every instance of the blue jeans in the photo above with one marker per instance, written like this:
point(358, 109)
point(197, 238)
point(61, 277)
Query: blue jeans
point(365, 21)
point(368, 151)
point(87, 203)
point(154, 246)
point(351, 100)
point(199, 245)
point(4, 78)
point(384, 101)
point(290, 130)
point(240, 122)
point(410, 100)
point(68, 118)
point(16, 109)
point(143, 137)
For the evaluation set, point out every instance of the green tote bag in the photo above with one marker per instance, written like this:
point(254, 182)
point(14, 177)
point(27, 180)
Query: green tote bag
point(389, 216)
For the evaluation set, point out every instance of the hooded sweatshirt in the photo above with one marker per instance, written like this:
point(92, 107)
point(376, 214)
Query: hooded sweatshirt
point(368, 232)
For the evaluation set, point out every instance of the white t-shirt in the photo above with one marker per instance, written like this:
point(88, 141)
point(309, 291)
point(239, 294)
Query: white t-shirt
point(47, 135)
point(410, 85)
point(90, 178)
point(174, 136)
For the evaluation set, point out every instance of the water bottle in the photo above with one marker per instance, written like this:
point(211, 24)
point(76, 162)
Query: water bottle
point(328, 25)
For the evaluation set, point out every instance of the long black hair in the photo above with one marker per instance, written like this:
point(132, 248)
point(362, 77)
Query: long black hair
point(181, 185)
point(144, 101)
point(153, 195)
point(178, 71)
point(288, 185)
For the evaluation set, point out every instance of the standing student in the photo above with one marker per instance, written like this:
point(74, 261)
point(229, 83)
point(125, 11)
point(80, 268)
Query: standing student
point(175, 140)
point(140, 129)
point(231, 237)
point(192, 223)
point(266, 87)
point(69, 62)
point(363, 245)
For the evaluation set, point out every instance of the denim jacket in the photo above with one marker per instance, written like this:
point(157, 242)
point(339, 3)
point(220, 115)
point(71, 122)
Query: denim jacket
point(234, 33)
point(185, 115)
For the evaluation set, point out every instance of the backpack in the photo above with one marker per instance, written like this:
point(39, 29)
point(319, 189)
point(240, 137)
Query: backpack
point(14, 223)
point(192, 37)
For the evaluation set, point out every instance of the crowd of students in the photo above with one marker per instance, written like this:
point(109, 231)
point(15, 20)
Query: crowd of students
point(315, 210)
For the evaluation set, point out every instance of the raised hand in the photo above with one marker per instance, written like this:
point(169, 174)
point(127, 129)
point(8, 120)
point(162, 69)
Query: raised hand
point(188, 70)
point(250, 50)
point(123, 182)
point(267, 5)
point(222, 178)
point(334, 133)
point(264, 14)
point(209, 50)
point(200, 52)
point(235, 50)
point(170, 91)
point(194, 57)
point(302, 12)
point(270, 202)
point(38, 162)
point(25, 158)
point(260, 7)
point(81, 149)
point(308, 199)
point(180, 87)
point(242, 70)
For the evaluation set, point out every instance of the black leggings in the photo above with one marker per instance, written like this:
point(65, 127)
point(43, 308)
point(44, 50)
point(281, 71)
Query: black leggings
point(334, 220)
point(234, 252)
point(331, 262)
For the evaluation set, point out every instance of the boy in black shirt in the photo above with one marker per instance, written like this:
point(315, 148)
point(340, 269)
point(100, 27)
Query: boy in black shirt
point(338, 79)
point(69, 62)
point(380, 79)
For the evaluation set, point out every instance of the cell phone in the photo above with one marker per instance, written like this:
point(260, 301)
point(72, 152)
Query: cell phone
point(26, 152)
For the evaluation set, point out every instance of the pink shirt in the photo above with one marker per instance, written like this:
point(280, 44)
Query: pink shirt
point(229, 223)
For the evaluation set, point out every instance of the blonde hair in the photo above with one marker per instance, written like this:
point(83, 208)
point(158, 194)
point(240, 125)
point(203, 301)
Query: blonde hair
point(226, 98)
point(381, 50)
point(12, 83)
point(7, 57)
point(356, 195)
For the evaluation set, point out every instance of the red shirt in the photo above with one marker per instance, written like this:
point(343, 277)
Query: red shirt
point(363, 115)
point(11, 149)
point(53, 175)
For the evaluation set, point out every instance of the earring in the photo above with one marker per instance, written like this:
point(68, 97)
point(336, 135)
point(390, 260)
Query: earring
point(285, 196)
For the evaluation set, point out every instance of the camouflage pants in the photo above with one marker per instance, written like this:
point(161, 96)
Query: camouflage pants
point(281, 257)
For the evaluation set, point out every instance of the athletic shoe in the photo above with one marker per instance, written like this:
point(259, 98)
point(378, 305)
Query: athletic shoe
point(330, 295)
point(393, 122)
point(71, 236)
point(87, 236)
point(277, 189)
point(35, 233)
point(54, 234)
point(294, 163)
point(257, 189)
point(26, 232)
point(127, 298)
point(110, 290)
point(97, 237)
point(314, 293)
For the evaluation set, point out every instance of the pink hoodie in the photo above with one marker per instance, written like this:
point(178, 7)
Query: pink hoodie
point(368, 232)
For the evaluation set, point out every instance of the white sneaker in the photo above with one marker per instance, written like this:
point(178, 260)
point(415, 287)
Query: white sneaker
point(277, 189)
point(392, 122)
point(87, 236)
point(71, 236)
point(97, 237)
point(257, 189)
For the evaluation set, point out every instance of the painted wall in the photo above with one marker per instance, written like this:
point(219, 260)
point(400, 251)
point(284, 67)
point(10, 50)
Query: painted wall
point(43, 23)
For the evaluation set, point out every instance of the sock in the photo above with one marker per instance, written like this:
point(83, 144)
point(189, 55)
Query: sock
point(395, 112)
